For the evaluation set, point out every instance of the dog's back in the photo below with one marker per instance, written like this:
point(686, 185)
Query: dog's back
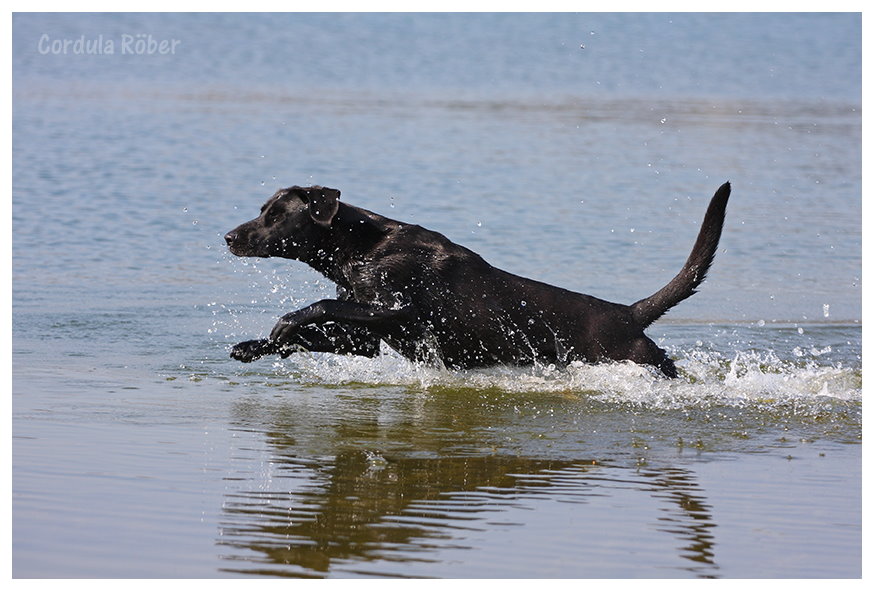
point(479, 315)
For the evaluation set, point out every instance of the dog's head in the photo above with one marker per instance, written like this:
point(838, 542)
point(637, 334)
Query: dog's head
point(292, 223)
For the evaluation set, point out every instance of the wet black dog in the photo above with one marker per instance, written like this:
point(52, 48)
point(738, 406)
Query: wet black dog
point(433, 300)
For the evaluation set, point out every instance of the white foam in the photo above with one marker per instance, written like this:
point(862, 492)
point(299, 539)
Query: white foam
point(707, 378)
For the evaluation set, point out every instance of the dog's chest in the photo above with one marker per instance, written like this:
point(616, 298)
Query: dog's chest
point(371, 284)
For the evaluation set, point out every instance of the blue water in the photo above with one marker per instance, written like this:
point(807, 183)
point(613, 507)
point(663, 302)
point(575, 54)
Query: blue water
point(577, 149)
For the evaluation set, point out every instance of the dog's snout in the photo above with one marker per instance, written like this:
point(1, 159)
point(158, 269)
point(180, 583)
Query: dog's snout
point(239, 242)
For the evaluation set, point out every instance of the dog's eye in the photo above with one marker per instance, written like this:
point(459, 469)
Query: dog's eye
point(271, 215)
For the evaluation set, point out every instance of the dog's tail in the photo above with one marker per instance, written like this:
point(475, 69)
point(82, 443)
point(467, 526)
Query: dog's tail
point(648, 310)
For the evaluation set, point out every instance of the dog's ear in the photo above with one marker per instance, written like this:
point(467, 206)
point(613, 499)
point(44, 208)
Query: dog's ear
point(323, 204)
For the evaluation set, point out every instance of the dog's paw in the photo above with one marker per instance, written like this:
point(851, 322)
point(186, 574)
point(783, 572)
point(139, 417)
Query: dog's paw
point(251, 350)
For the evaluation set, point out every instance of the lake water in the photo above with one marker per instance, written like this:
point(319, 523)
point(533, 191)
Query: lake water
point(580, 150)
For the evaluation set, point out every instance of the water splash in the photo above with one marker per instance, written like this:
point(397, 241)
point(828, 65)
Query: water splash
point(748, 378)
point(747, 368)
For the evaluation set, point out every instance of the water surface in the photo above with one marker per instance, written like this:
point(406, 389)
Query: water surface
point(580, 150)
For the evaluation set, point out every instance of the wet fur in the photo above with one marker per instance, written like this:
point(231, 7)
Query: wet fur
point(434, 300)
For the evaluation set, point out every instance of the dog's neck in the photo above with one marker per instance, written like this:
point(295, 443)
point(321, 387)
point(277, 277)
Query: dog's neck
point(351, 236)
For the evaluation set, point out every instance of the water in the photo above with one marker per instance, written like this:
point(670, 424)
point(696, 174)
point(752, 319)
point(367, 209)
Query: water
point(140, 450)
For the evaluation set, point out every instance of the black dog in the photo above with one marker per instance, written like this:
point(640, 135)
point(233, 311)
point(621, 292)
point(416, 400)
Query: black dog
point(433, 300)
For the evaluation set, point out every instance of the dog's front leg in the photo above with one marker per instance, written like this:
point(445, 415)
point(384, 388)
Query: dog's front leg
point(327, 338)
point(380, 321)
point(249, 351)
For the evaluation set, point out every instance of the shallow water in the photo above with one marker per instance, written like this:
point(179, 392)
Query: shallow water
point(326, 466)
point(141, 450)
